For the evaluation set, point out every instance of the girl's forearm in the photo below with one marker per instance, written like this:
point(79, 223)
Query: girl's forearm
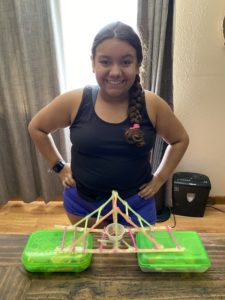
point(46, 145)
point(170, 160)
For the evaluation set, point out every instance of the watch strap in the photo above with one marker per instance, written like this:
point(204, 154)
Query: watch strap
point(58, 166)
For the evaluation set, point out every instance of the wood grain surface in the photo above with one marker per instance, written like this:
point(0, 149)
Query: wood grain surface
point(110, 277)
point(20, 217)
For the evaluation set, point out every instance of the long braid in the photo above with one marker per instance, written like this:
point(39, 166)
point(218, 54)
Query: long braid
point(135, 135)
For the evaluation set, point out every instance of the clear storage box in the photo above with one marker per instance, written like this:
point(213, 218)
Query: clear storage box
point(43, 252)
point(194, 258)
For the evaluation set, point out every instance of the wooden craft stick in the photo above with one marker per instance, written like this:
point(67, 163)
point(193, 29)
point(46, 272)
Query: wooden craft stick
point(133, 239)
point(173, 237)
point(63, 238)
point(102, 239)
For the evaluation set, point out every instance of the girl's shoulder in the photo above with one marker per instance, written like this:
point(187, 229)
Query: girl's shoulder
point(156, 107)
point(151, 102)
point(71, 101)
point(152, 99)
point(71, 96)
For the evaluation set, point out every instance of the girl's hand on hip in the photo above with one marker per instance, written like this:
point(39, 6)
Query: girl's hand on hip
point(150, 188)
point(66, 176)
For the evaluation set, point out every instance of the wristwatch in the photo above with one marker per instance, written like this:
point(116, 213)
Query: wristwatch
point(58, 166)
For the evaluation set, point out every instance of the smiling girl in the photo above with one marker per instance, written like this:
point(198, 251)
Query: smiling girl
point(113, 127)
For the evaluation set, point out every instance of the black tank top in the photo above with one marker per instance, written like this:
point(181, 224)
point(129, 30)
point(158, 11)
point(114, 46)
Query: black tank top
point(101, 158)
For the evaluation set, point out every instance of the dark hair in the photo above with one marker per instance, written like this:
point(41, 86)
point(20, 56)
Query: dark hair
point(126, 33)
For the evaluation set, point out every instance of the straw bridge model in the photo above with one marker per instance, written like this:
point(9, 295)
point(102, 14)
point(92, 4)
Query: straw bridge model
point(115, 234)
point(158, 248)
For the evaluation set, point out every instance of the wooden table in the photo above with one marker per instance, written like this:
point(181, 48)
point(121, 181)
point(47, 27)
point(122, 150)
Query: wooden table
point(110, 277)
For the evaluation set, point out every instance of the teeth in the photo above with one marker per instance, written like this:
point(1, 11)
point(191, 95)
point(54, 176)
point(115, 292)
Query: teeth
point(114, 82)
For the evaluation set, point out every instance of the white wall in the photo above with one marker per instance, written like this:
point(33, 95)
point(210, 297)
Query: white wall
point(199, 86)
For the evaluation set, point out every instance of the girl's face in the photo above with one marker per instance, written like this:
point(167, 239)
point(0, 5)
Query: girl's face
point(115, 66)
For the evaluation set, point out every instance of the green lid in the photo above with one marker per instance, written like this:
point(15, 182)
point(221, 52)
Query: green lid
point(193, 259)
point(43, 252)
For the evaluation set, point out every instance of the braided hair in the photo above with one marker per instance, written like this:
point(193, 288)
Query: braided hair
point(134, 134)
point(119, 30)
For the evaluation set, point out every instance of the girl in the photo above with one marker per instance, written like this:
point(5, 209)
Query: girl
point(113, 127)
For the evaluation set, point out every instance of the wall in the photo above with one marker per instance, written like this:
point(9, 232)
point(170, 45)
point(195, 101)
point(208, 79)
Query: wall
point(199, 87)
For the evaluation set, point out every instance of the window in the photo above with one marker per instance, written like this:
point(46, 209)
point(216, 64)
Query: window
point(81, 20)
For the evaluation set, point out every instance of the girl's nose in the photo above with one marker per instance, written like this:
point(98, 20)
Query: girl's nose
point(115, 70)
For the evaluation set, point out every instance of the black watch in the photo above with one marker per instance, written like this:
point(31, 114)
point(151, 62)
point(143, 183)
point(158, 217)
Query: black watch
point(58, 166)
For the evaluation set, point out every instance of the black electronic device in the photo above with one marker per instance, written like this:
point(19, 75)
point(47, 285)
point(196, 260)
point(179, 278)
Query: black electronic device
point(190, 193)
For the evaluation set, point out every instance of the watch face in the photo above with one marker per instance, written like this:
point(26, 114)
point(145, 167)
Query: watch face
point(58, 166)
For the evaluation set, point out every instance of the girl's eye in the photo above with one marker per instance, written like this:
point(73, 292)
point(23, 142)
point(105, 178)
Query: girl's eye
point(126, 62)
point(104, 62)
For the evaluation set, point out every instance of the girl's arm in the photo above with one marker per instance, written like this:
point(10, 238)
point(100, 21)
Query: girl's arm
point(172, 131)
point(57, 114)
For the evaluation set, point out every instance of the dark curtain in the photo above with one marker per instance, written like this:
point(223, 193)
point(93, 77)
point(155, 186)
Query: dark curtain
point(155, 25)
point(29, 79)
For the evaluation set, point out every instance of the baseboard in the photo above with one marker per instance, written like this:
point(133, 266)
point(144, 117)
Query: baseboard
point(59, 198)
point(211, 200)
point(216, 200)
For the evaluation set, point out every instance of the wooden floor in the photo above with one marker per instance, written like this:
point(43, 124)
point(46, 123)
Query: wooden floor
point(20, 217)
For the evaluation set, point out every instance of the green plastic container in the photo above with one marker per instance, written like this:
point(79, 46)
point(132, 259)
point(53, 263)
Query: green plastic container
point(193, 259)
point(42, 252)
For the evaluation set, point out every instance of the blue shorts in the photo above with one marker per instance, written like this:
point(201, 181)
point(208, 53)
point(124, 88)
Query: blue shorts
point(76, 205)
